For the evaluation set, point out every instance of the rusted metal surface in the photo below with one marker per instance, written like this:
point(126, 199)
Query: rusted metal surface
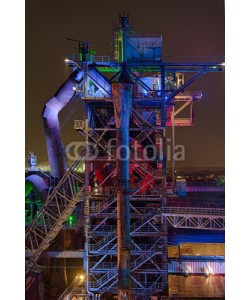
point(173, 251)
point(208, 249)
point(197, 286)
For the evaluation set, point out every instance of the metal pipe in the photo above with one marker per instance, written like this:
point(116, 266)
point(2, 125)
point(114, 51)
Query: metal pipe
point(50, 113)
point(38, 183)
point(122, 94)
point(86, 206)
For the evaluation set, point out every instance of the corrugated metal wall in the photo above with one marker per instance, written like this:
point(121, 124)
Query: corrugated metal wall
point(196, 267)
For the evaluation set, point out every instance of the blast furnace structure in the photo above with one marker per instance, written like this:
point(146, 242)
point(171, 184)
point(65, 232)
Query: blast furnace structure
point(122, 204)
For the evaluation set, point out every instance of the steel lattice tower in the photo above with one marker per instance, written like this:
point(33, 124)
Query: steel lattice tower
point(122, 199)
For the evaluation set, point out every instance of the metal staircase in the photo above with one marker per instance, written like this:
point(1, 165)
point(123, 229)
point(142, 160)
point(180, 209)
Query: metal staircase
point(54, 213)
point(89, 132)
point(71, 289)
point(100, 81)
point(145, 257)
point(103, 205)
point(155, 287)
point(112, 273)
point(145, 167)
point(103, 249)
point(104, 280)
point(94, 248)
point(95, 76)
point(147, 194)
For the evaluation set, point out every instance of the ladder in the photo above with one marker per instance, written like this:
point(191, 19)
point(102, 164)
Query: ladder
point(116, 45)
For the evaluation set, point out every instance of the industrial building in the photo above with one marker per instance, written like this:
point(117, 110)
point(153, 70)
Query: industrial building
point(105, 226)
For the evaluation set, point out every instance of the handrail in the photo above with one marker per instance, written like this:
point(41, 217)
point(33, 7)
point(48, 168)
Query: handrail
point(78, 280)
point(193, 211)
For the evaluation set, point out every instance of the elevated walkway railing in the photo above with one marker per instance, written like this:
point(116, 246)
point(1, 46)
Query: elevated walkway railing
point(193, 211)
point(196, 218)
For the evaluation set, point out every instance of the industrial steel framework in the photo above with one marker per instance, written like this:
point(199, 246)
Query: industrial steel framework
point(124, 208)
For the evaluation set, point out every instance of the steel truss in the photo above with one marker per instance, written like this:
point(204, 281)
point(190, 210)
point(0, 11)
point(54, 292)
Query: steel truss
point(147, 266)
point(197, 218)
point(146, 258)
point(55, 211)
point(149, 215)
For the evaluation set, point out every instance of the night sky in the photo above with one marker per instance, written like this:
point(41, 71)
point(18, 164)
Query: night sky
point(188, 28)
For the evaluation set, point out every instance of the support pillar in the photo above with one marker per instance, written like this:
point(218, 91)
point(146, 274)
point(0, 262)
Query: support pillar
point(173, 153)
point(122, 96)
point(163, 125)
point(86, 204)
point(164, 183)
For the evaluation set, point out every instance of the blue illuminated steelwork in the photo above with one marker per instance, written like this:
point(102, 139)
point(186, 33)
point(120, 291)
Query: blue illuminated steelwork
point(131, 191)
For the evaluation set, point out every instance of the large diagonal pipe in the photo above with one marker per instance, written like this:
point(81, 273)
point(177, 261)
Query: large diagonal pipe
point(55, 149)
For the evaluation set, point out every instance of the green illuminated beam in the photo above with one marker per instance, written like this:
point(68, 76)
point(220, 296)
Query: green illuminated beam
point(117, 69)
point(122, 47)
point(29, 187)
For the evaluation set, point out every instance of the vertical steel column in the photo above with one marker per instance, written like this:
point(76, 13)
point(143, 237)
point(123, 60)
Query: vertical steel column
point(173, 148)
point(163, 125)
point(86, 190)
point(124, 21)
point(122, 98)
point(164, 166)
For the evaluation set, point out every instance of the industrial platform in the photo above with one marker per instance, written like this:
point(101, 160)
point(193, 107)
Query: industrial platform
point(107, 223)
